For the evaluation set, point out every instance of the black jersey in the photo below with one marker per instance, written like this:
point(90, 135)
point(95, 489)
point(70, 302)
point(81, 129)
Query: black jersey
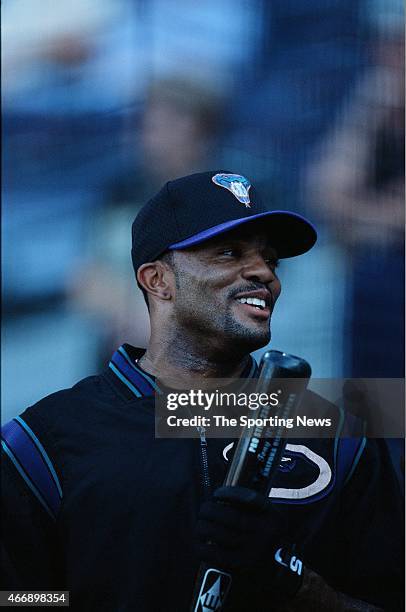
point(93, 503)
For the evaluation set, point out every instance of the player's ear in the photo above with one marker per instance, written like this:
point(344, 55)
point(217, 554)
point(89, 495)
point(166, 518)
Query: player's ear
point(156, 278)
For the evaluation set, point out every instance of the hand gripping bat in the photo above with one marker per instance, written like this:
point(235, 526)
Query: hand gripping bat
point(257, 457)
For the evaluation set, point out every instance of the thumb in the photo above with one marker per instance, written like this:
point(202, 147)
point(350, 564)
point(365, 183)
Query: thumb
point(241, 496)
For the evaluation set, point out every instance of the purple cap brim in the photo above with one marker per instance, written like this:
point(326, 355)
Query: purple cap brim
point(292, 243)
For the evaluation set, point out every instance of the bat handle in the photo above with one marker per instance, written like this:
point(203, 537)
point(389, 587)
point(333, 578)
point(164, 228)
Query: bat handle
point(211, 589)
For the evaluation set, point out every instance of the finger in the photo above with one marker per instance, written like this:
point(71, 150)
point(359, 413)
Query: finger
point(220, 535)
point(219, 513)
point(219, 558)
point(242, 497)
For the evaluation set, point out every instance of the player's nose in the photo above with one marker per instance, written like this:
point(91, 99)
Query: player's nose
point(257, 269)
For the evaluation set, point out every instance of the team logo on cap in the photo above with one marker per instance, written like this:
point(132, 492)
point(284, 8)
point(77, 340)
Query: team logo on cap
point(237, 184)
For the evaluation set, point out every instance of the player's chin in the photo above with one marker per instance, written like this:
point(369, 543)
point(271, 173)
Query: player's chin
point(254, 335)
point(257, 322)
point(261, 338)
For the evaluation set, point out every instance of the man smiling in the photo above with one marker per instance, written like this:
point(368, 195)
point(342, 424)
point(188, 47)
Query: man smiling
point(211, 272)
point(225, 292)
point(94, 504)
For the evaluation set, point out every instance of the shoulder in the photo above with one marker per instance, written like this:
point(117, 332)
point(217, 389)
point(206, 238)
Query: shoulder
point(81, 402)
point(43, 443)
point(92, 389)
point(90, 405)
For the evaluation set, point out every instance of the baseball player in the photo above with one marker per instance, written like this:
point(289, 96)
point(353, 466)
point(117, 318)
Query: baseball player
point(93, 503)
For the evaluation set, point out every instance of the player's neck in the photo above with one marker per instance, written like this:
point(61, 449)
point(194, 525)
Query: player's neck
point(179, 362)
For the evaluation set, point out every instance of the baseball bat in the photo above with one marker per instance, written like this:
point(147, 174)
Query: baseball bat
point(257, 456)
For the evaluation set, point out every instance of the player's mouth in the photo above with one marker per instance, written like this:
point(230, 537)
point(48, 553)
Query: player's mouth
point(257, 303)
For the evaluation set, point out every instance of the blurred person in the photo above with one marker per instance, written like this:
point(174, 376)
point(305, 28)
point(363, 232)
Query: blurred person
point(176, 134)
point(176, 130)
point(63, 66)
point(357, 185)
point(94, 503)
point(59, 59)
point(309, 57)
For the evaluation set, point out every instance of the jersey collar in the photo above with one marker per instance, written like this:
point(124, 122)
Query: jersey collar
point(137, 383)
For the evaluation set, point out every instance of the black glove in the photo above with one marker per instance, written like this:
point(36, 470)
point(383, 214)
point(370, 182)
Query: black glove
point(241, 532)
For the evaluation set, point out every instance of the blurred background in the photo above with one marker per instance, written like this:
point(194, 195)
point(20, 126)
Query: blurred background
point(104, 100)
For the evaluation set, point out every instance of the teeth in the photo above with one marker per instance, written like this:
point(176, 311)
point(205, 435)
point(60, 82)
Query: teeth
point(252, 301)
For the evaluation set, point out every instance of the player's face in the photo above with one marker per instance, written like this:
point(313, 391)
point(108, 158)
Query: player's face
point(227, 287)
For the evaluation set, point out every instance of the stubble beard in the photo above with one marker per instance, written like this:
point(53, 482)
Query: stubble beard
point(210, 322)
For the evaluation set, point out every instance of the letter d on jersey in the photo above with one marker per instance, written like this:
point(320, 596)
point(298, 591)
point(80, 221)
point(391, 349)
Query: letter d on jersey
point(213, 592)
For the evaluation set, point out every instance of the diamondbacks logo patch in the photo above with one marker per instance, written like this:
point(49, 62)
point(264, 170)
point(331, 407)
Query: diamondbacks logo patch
point(318, 486)
point(237, 184)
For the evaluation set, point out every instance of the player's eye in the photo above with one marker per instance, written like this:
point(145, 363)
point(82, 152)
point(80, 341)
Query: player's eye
point(272, 263)
point(230, 252)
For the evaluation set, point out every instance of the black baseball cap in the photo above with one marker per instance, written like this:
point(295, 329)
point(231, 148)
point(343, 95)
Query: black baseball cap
point(192, 209)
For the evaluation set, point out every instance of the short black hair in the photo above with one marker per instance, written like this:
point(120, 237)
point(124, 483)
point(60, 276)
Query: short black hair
point(167, 257)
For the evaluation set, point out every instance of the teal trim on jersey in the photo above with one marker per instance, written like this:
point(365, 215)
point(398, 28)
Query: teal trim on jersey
point(356, 459)
point(28, 482)
point(142, 384)
point(141, 372)
point(124, 380)
point(42, 451)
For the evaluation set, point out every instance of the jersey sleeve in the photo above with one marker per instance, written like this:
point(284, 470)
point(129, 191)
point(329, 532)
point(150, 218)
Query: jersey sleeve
point(370, 530)
point(28, 513)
